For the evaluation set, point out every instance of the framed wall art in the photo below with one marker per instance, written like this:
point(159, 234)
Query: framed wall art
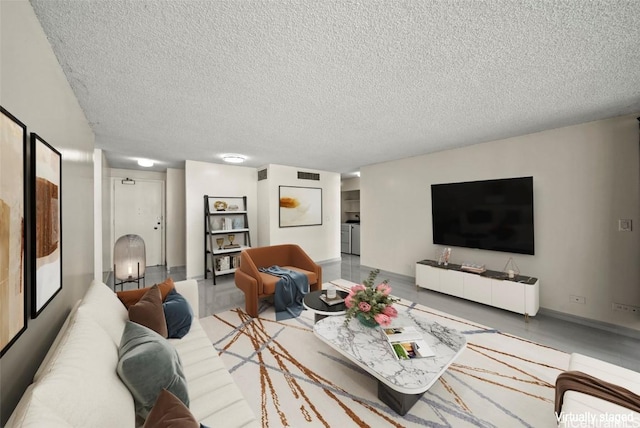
point(47, 219)
point(13, 297)
point(300, 206)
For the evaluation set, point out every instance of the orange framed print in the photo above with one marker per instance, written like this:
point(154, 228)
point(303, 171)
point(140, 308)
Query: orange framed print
point(300, 206)
point(47, 223)
point(13, 297)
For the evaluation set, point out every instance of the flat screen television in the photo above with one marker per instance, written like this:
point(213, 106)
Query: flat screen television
point(492, 215)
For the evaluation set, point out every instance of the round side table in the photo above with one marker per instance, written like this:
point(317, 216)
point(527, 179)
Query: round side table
point(321, 309)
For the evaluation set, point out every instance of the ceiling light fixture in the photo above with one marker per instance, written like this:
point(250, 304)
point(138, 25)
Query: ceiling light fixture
point(357, 173)
point(145, 162)
point(233, 158)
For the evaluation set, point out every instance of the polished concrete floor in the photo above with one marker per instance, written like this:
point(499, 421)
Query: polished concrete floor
point(557, 333)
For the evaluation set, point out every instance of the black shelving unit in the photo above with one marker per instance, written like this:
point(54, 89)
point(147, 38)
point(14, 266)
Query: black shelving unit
point(226, 227)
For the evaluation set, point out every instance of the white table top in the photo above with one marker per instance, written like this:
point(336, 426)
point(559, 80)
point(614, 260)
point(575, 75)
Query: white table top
point(368, 348)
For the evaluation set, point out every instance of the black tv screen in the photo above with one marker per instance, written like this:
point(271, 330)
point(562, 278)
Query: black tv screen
point(490, 215)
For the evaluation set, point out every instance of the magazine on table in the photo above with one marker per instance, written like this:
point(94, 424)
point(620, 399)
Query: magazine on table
point(407, 343)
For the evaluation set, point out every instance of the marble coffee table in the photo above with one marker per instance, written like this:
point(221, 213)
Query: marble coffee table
point(400, 383)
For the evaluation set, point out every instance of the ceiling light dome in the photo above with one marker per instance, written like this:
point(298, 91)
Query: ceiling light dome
point(145, 162)
point(233, 158)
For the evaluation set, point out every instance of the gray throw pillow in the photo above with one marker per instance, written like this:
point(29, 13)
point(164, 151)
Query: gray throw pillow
point(147, 364)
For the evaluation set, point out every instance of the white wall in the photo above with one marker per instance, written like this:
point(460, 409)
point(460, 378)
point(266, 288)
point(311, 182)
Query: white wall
point(34, 89)
point(106, 216)
point(350, 184)
point(322, 243)
point(175, 218)
point(201, 179)
point(264, 215)
point(586, 177)
point(97, 215)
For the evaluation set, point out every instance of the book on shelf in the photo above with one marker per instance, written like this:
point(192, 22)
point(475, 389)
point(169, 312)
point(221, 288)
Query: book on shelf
point(235, 262)
point(407, 343)
point(223, 263)
point(228, 223)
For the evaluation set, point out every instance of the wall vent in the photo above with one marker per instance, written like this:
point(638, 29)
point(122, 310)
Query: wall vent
point(262, 174)
point(308, 176)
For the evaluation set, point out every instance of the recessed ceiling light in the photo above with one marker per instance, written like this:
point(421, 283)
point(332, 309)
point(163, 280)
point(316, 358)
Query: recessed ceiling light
point(233, 158)
point(145, 162)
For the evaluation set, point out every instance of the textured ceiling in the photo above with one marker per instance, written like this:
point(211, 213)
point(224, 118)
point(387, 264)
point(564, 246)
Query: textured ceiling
point(336, 85)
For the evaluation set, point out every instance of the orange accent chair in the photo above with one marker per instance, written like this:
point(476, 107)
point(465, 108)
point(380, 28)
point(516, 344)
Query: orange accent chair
point(258, 285)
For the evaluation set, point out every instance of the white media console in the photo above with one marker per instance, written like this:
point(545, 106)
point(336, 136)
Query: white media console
point(520, 294)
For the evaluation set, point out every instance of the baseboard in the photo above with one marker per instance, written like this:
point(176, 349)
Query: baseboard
point(321, 262)
point(601, 325)
point(391, 276)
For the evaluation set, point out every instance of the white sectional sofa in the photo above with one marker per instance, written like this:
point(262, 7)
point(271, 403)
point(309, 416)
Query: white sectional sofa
point(77, 384)
point(596, 411)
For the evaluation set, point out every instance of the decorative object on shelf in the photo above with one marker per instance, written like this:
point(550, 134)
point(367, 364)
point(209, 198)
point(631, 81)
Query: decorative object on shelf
point(129, 260)
point(300, 206)
point(217, 224)
point(371, 305)
point(47, 181)
point(473, 268)
point(511, 268)
point(13, 305)
point(219, 241)
point(238, 223)
point(220, 205)
point(232, 207)
point(446, 255)
point(230, 245)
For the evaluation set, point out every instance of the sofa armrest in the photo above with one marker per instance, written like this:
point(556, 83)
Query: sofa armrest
point(189, 289)
point(249, 269)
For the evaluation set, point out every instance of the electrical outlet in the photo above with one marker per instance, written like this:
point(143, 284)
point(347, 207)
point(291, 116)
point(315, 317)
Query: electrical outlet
point(625, 225)
point(619, 307)
point(578, 299)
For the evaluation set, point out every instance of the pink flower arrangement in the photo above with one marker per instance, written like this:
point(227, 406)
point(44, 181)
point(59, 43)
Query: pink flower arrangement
point(373, 303)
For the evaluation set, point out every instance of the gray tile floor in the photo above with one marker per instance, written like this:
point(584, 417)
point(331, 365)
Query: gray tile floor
point(560, 334)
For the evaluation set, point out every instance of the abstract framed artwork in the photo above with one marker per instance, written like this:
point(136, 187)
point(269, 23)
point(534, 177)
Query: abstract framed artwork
point(47, 227)
point(13, 296)
point(300, 206)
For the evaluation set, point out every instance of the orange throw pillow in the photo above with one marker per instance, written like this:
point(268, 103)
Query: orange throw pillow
point(170, 412)
point(131, 297)
point(149, 312)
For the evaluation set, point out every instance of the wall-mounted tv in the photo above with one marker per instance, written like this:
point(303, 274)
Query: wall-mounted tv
point(492, 215)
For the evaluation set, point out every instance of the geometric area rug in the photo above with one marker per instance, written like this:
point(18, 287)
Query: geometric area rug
point(292, 379)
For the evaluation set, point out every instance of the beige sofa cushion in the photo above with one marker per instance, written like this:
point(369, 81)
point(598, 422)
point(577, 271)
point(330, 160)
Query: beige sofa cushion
point(103, 306)
point(67, 391)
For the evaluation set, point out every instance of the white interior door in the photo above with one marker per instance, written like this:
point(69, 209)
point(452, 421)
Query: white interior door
point(138, 209)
